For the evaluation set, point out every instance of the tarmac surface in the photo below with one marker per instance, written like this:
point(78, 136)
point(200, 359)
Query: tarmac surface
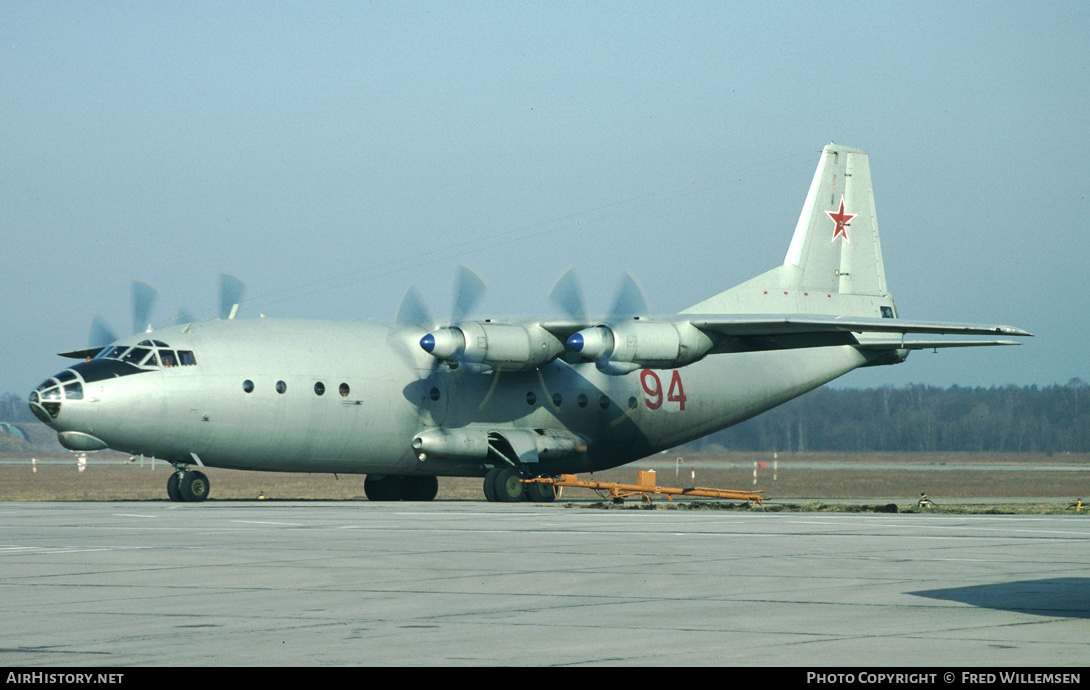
point(229, 583)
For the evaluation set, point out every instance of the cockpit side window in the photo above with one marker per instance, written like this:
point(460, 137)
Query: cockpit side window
point(167, 359)
point(186, 358)
point(152, 360)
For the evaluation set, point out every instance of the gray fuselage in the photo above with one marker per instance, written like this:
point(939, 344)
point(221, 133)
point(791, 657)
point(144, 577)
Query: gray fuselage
point(310, 396)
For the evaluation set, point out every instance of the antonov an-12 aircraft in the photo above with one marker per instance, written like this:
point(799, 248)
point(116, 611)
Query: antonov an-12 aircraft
point(502, 399)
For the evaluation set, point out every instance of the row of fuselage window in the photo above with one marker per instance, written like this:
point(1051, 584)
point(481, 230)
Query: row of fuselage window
point(531, 397)
point(281, 387)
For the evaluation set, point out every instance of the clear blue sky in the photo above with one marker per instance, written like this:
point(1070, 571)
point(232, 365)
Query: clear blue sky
point(333, 154)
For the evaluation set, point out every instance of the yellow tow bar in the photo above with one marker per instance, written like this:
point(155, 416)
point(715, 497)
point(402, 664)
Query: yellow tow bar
point(645, 486)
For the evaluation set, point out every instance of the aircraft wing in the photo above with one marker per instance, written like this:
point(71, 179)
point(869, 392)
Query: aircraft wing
point(759, 332)
point(779, 331)
point(623, 344)
point(794, 324)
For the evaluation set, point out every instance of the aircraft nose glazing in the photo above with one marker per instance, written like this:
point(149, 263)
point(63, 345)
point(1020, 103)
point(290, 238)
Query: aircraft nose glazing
point(45, 400)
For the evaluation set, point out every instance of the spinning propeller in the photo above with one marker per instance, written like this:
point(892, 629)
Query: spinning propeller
point(449, 344)
point(598, 342)
point(144, 297)
point(143, 300)
point(487, 345)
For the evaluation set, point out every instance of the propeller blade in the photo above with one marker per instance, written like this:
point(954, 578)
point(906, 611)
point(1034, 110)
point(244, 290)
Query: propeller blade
point(184, 317)
point(469, 287)
point(630, 299)
point(231, 291)
point(411, 311)
point(412, 314)
point(101, 334)
point(143, 299)
point(567, 296)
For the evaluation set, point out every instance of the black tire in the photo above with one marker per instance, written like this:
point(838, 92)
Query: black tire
point(174, 492)
point(378, 488)
point(540, 493)
point(490, 484)
point(508, 488)
point(420, 488)
point(194, 486)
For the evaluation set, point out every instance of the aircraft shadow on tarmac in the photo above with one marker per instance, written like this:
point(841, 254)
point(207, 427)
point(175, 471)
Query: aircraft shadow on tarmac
point(1067, 597)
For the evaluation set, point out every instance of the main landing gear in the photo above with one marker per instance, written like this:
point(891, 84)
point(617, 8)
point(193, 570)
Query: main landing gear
point(400, 488)
point(184, 485)
point(502, 484)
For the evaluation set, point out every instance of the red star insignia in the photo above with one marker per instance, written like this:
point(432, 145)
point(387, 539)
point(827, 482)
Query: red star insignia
point(841, 219)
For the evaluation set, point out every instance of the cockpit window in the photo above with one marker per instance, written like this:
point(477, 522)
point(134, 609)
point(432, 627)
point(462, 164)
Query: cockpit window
point(145, 354)
point(135, 355)
point(112, 352)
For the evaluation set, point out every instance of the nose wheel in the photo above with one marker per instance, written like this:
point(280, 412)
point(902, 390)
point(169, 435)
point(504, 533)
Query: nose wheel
point(503, 484)
point(186, 486)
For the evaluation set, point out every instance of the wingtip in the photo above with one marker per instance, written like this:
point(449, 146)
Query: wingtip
point(1011, 330)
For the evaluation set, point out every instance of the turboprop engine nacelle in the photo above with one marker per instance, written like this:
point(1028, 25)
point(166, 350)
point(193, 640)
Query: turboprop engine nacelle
point(471, 443)
point(636, 344)
point(497, 345)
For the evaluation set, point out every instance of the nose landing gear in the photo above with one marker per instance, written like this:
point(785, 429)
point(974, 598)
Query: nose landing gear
point(504, 484)
point(186, 486)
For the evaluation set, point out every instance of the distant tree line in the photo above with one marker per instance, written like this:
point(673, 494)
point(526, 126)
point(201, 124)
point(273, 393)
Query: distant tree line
point(1028, 419)
point(15, 409)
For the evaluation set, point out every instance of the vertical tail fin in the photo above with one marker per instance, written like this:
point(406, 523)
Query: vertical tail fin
point(836, 244)
point(834, 263)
